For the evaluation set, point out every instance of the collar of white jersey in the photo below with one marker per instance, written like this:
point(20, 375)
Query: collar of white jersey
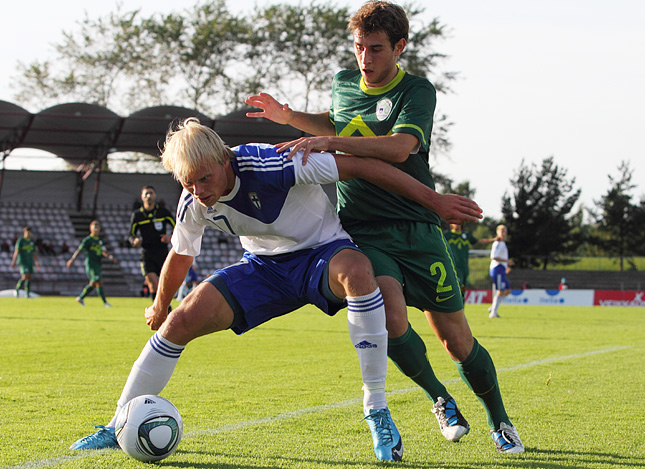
point(236, 187)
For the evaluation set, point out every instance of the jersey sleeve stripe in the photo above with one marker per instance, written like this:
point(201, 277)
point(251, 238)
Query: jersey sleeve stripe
point(415, 127)
point(188, 200)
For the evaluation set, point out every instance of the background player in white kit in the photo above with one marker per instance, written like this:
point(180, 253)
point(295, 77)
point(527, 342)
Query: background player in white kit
point(499, 267)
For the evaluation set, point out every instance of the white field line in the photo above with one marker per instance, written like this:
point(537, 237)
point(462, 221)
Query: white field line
point(37, 464)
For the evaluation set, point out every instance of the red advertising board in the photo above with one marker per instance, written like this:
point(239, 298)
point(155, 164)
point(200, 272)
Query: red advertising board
point(478, 297)
point(619, 298)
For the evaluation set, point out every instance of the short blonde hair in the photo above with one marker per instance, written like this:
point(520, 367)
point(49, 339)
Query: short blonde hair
point(191, 146)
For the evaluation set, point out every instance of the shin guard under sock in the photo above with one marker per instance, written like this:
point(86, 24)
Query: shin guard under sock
point(408, 353)
point(478, 372)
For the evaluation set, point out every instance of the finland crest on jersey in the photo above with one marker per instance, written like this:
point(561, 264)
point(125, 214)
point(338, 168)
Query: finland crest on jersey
point(276, 206)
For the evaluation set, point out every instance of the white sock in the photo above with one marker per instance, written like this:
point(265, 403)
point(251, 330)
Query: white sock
point(496, 302)
point(151, 372)
point(366, 323)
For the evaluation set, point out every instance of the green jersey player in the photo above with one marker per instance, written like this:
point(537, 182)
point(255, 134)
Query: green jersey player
point(460, 243)
point(94, 250)
point(383, 112)
point(24, 255)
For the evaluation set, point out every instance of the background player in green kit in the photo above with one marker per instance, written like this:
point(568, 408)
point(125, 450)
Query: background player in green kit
point(460, 243)
point(94, 253)
point(24, 255)
point(381, 111)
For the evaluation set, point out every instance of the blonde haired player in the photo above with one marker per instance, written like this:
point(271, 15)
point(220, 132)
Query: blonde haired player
point(296, 253)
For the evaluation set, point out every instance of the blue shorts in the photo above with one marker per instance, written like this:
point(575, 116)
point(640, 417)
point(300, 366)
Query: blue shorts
point(260, 288)
point(191, 276)
point(498, 276)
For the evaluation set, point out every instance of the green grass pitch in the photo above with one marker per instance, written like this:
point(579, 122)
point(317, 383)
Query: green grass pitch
point(288, 394)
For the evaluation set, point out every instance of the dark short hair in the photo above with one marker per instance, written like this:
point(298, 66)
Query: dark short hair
point(27, 228)
point(148, 187)
point(381, 15)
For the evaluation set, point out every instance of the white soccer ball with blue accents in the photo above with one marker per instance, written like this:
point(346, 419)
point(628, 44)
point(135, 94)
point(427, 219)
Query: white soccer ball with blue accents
point(149, 428)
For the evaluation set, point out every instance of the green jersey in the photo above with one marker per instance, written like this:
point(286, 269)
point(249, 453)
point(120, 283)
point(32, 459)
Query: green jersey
point(93, 248)
point(405, 105)
point(460, 244)
point(26, 248)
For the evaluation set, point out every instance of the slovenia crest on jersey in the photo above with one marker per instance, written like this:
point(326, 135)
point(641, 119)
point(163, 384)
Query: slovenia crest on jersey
point(253, 196)
point(383, 109)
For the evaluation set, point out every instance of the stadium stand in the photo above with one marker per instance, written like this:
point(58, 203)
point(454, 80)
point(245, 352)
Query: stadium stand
point(47, 202)
point(61, 226)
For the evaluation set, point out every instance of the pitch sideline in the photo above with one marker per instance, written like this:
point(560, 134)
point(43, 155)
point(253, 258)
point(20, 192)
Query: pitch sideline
point(38, 464)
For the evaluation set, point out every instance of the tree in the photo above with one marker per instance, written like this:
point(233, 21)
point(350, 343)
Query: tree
point(303, 44)
point(538, 214)
point(210, 60)
point(619, 223)
point(197, 49)
point(207, 58)
point(95, 64)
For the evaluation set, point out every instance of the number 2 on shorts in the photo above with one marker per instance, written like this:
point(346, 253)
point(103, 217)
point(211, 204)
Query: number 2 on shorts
point(441, 288)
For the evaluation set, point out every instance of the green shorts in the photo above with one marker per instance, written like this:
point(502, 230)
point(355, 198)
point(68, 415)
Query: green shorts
point(462, 275)
point(26, 268)
point(94, 273)
point(417, 255)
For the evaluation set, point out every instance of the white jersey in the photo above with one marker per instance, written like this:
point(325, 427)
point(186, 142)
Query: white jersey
point(500, 251)
point(277, 205)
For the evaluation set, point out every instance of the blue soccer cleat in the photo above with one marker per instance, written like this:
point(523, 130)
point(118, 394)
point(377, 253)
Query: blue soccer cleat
point(506, 439)
point(388, 445)
point(453, 425)
point(104, 437)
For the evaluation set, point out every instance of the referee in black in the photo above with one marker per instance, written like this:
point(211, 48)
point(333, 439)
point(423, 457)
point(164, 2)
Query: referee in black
point(151, 228)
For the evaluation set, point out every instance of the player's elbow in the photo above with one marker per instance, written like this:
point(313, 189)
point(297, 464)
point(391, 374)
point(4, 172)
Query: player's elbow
point(399, 156)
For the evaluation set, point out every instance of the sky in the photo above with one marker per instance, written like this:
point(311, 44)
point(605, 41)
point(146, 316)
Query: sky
point(560, 78)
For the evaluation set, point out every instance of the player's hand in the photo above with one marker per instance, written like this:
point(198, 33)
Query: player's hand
point(136, 242)
point(165, 238)
point(155, 317)
point(305, 144)
point(457, 209)
point(69, 263)
point(271, 108)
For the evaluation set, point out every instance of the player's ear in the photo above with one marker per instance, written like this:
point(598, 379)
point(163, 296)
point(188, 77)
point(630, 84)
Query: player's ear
point(399, 47)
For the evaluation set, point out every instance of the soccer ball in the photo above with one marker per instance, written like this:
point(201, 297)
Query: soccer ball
point(149, 428)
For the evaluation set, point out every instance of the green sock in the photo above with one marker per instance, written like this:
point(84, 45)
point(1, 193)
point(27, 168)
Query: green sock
point(86, 291)
point(99, 290)
point(478, 371)
point(27, 287)
point(408, 353)
point(19, 285)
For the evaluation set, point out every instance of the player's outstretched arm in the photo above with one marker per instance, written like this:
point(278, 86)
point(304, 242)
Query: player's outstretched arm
point(453, 208)
point(173, 273)
point(395, 148)
point(73, 258)
point(313, 123)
